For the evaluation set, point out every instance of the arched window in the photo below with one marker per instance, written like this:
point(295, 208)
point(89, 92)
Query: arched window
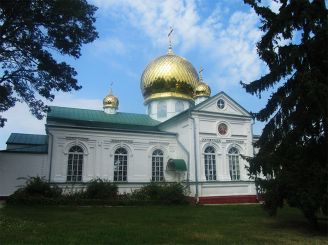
point(179, 106)
point(161, 109)
point(157, 165)
point(210, 163)
point(234, 163)
point(120, 164)
point(75, 164)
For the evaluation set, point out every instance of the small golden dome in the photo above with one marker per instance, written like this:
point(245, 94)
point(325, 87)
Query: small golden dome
point(169, 76)
point(202, 90)
point(110, 101)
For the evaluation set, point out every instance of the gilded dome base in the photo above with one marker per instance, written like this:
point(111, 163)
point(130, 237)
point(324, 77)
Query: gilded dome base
point(167, 95)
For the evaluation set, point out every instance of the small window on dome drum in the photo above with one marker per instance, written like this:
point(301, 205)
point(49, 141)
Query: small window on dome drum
point(161, 109)
point(149, 109)
point(179, 106)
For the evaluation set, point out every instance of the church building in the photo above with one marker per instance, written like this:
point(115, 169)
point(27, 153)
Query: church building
point(187, 136)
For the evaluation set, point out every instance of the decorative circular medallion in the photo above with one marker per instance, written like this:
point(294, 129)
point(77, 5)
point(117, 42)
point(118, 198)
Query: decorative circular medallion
point(220, 103)
point(223, 129)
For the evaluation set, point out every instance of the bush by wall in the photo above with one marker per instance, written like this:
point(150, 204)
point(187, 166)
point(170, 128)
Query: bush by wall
point(35, 188)
point(37, 191)
point(101, 189)
point(163, 193)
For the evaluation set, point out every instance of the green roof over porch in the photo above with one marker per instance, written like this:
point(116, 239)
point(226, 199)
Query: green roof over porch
point(177, 165)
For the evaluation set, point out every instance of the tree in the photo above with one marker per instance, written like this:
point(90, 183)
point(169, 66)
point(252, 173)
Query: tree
point(31, 31)
point(291, 165)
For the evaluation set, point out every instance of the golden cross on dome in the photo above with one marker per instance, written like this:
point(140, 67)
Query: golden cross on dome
point(170, 41)
point(201, 73)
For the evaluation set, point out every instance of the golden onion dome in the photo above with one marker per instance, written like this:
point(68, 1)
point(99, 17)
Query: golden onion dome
point(110, 101)
point(169, 76)
point(202, 90)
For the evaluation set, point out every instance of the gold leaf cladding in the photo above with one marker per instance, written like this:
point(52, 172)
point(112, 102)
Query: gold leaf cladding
point(169, 67)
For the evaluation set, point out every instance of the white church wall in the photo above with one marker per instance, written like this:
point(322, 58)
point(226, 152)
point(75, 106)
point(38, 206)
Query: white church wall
point(183, 129)
point(230, 107)
point(99, 151)
point(227, 189)
point(239, 134)
point(206, 125)
point(16, 165)
point(170, 103)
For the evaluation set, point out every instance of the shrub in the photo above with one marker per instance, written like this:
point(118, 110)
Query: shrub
point(101, 189)
point(163, 193)
point(35, 190)
point(38, 186)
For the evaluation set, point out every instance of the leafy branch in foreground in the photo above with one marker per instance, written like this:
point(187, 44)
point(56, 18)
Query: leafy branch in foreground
point(31, 31)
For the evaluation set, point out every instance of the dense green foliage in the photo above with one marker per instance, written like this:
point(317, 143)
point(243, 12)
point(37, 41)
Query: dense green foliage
point(101, 189)
point(35, 188)
point(161, 193)
point(231, 224)
point(292, 163)
point(37, 191)
point(31, 31)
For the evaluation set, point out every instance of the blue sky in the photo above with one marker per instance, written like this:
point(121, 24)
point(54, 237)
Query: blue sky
point(218, 35)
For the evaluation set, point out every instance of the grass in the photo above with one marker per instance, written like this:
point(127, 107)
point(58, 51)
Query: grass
point(242, 224)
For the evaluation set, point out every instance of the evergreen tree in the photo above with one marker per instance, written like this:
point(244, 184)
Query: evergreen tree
point(31, 31)
point(291, 165)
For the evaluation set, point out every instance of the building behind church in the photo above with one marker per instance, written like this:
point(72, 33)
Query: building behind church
point(187, 136)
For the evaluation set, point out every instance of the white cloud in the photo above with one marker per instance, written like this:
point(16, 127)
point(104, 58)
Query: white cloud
point(274, 6)
point(227, 40)
point(108, 45)
point(20, 120)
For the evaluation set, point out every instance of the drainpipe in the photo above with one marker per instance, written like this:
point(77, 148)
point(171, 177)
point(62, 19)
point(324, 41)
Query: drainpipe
point(51, 149)
point(195, 155)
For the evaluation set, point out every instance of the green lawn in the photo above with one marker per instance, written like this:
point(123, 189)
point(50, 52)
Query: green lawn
point(245, 224)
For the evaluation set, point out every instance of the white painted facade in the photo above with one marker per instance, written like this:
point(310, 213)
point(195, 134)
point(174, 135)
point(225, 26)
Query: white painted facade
point(15, 166)
point(173, 107)
point(185, 136)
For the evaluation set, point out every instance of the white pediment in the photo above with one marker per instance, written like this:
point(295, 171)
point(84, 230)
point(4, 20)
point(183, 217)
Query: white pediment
point(222, 103)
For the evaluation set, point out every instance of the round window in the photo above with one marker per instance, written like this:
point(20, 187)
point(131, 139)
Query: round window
point(223, 128)
point(221, 103)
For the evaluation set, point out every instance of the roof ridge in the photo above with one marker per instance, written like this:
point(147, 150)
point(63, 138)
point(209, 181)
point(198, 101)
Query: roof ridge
point(30, 134)
point(85, 109)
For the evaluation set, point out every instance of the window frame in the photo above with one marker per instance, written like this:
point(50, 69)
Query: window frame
point(157, 165)
point(221, 104)
point(120, 165)
point(162, 109)
point(210, 163)
point(75, 164)
point(179, 106)
point(234, 163)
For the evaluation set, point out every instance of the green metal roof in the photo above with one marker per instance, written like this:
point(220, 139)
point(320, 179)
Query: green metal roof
point(27, 143)
point(177, 165)
point(29, 149)
point(98, 118)
point(27, 139)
